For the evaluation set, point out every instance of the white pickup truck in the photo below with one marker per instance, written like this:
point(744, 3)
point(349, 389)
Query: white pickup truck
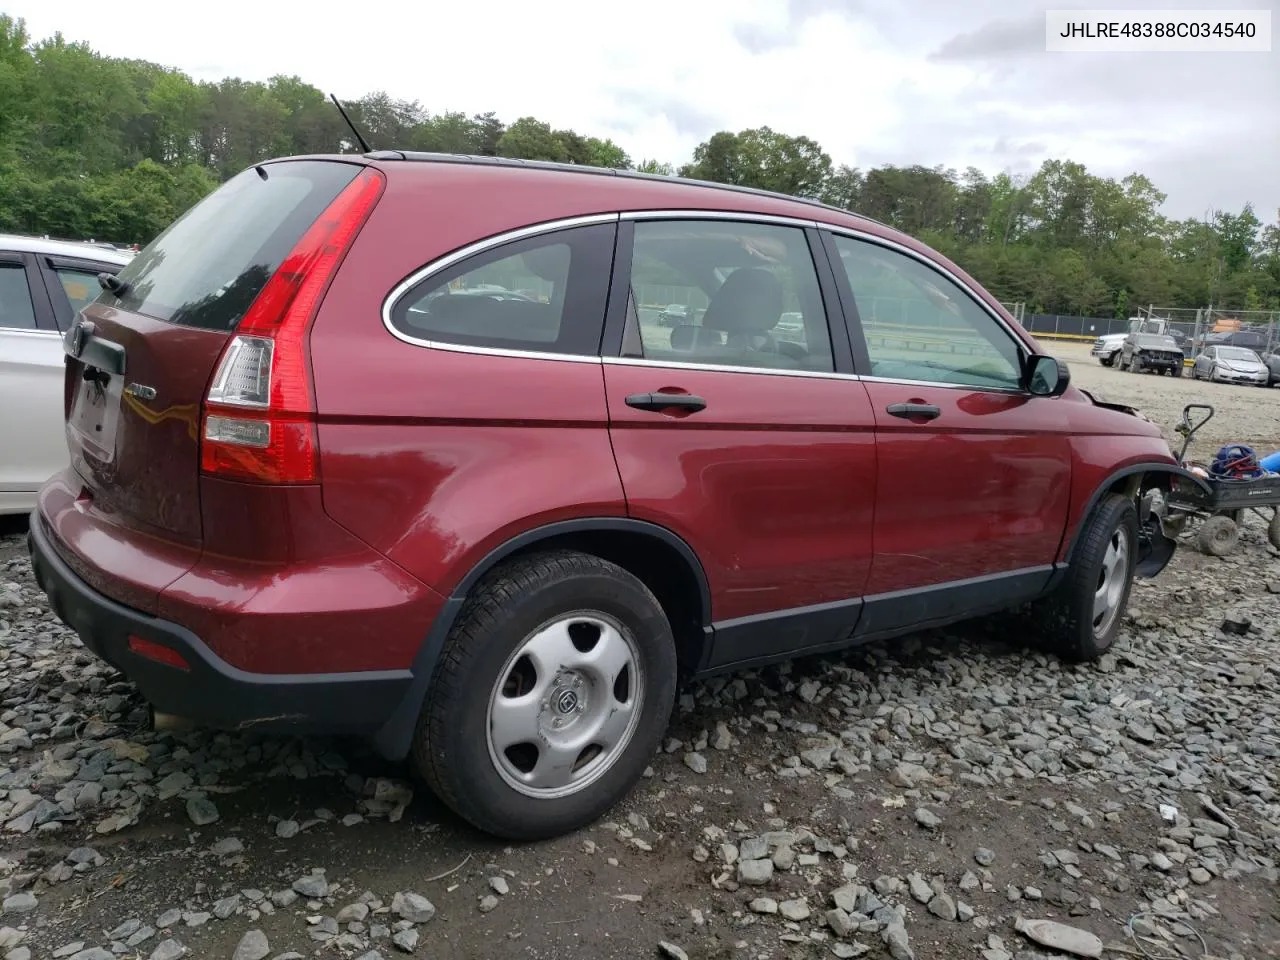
point(1107, 347)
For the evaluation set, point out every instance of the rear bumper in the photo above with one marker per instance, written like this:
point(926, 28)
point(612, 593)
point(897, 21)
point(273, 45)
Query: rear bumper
point(211, 691)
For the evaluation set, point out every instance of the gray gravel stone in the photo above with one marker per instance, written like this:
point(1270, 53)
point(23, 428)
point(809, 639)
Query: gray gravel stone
point(841, 923)
point(406, 940)
point(356, 912)
point(920, 890)
point(755, 873)
point(24, 902)
point(125, 930)
point(695, 762)
point(253, 946)
point(202, 811)
point(794, 910)
point(412, 907)
point(942, 906)
point(168, 950)
point(927, 818)
point(312, 886)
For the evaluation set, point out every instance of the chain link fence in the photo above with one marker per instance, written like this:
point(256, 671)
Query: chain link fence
point(1259, 330)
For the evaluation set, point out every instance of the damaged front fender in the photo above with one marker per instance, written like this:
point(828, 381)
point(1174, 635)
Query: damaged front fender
point(1157, 544)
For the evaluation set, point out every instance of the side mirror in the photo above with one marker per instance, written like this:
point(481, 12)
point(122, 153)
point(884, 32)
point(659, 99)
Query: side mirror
point(1047, 376)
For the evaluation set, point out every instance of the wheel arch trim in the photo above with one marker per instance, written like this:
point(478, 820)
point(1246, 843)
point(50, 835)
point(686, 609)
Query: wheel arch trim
point(394, 739)
point(1111, 479)
point(562, 528)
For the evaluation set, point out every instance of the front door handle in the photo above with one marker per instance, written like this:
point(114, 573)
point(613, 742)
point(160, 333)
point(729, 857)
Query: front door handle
point(666, 401)
point(914, 411)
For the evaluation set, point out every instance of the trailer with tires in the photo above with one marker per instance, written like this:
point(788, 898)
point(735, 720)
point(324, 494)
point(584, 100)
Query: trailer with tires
point(1219, 513)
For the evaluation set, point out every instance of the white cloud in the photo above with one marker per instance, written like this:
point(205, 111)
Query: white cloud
point(873, 81)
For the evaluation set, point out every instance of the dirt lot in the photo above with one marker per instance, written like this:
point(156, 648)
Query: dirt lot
point(914, 799)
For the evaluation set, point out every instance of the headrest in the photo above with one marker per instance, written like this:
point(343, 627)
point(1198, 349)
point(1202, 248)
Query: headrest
point(749, 301)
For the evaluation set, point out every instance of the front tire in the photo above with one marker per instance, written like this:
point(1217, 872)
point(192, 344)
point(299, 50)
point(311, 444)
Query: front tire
point(550, 698)
point(1084, 615)
point(1107, 361)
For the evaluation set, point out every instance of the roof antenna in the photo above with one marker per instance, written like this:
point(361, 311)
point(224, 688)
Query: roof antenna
point(364, 145)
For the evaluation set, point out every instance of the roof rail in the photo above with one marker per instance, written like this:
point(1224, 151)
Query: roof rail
point(423, 157)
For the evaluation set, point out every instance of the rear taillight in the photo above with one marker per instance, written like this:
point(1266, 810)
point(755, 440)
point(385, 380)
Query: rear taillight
point(258, 422)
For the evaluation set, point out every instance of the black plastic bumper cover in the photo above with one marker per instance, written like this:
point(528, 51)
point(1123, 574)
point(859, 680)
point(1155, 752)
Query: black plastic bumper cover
point(212, 691)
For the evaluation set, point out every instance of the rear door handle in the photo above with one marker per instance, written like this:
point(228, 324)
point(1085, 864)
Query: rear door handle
point(666, 401)
point(914, 411)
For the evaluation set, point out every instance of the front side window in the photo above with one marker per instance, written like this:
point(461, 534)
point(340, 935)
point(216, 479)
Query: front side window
point(545, 294)
point(920, 325)
point(16, 310)
point(726, 294)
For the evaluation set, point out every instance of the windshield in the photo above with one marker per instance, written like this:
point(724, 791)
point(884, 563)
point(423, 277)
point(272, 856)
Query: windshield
point(1155, 340)
point(1237, 353)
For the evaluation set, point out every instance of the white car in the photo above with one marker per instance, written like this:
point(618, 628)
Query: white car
point(43, 285)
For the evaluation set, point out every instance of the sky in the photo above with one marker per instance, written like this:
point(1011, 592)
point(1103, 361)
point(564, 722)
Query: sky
point(873, 81)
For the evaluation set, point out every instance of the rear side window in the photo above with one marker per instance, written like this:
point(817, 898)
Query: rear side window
point(16, 310)
point(208, 266)
point(80, 286)
point(746, 295)
point(544, 294)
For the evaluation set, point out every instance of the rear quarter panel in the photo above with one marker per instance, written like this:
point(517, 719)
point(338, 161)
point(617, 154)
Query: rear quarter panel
point(434, 457)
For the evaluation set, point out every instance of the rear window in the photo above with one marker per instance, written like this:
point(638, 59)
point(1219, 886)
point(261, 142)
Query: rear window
point(208, 266)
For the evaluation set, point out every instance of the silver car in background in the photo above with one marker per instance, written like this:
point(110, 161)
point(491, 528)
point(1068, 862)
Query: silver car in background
point(43, 285)
point(1230, 365)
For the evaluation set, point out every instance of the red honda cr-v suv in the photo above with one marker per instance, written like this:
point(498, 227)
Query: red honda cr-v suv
point(397, 445)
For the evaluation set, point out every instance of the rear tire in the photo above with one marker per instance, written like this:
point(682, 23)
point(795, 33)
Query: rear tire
point(550, 698)
point(1273, 528)
point(1084, 615)
point(1218, 536)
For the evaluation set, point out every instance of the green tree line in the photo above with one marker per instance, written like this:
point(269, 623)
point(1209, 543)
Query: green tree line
point(115, 149)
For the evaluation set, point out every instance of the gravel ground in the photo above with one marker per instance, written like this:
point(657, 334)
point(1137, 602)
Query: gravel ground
point(930, 798)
